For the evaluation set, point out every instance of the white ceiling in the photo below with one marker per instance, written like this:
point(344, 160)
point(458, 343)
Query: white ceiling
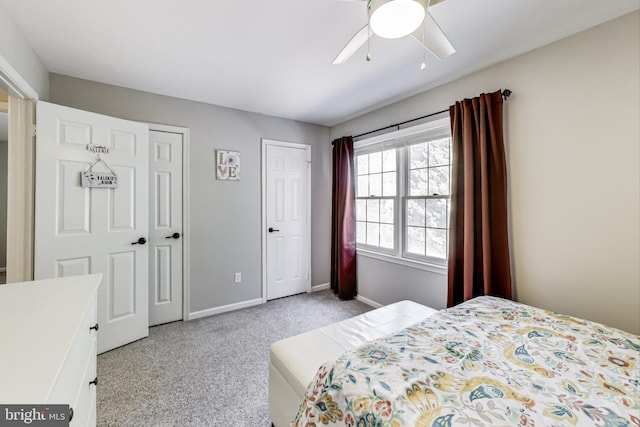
point(274, 57)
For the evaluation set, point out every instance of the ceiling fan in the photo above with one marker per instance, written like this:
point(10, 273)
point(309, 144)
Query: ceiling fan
point(399, 18)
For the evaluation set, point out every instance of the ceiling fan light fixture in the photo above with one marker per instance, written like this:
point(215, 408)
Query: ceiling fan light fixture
point(392, 19)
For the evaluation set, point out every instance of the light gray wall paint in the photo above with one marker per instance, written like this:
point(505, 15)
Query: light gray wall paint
point(571, 133)
point(225, 216)
point(4, 126)
point(386, 282)
point(3, 199)
point(19, 53)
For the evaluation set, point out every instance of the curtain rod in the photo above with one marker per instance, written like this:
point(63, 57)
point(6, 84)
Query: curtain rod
point(506, 93)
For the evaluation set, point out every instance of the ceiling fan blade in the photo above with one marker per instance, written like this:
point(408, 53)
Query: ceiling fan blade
point(434, 39)
point(354, 44)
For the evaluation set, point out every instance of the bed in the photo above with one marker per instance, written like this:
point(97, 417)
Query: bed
point(294, 361)
point(487, 361)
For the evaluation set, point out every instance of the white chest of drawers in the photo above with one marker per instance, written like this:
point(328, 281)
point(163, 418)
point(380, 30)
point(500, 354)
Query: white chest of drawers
point(48, 344)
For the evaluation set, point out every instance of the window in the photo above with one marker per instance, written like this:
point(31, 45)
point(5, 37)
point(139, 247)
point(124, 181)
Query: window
point(403, 187)
point(376, 191)
point(427, 204)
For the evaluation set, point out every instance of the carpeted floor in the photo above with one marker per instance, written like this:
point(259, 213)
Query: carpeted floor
point(211, 371)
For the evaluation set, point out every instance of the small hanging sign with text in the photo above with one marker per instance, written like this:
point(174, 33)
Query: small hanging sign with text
point(90, 179)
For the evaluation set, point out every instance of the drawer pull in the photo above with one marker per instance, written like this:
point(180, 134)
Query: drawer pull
point(95, 328)
point(70, 413)
point(94, 382)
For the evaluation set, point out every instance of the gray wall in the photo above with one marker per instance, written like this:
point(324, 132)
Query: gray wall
point(572, 133)
point(225, 216)
point(18, 52)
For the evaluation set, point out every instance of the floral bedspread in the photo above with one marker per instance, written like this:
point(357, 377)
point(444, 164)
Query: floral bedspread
point(488, 361)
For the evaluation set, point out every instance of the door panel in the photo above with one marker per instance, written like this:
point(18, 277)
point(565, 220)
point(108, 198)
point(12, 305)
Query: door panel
point(122, 203)
point(74, 267)
point(287, 245)
point(122, 285)
point(163, 278)
point(165, 210)
point(82, 230)
point(74, 204)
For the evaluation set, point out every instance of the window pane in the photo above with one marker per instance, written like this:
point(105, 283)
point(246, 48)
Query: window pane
point(363, 186)
point(361, 210)
point(375, 184)
point(362, 164)
point(386, 211)
point(373, 234)
point(375, 162)
point(361, 232)
point(373, 210)
point(415, 240)
point(418, 182)
point(439, 152)
point(386, 236)
point(415, 212)
point(389, 160)
point(437, 213)
point(436, 243)
point(389, 184)
point(418, 156)
point(439, 180)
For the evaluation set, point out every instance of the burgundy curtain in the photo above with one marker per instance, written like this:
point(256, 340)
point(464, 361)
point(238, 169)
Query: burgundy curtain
point(343, 220)
point(478, 243)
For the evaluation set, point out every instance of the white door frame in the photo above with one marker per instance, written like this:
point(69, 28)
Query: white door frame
point(13, 83)
point(20, 173)
point(186, 260)
point(307, 148)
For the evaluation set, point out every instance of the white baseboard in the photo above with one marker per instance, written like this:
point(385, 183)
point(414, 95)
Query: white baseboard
point(321, 287)
point(223, 309)
point(368, 301)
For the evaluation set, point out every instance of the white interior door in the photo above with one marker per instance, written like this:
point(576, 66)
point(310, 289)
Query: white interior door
point(95, 230)
point(165, 227)
point(286, 189)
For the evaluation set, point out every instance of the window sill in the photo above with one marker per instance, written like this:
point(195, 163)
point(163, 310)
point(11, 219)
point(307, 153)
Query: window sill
point(433, 268)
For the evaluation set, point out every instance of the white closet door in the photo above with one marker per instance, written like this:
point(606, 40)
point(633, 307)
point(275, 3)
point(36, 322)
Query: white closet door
point(95, 230)
point(287, 238)
point(165, 227)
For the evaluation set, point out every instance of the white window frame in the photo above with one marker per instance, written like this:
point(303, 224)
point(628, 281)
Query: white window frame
point(400, 140)
point(396, 205)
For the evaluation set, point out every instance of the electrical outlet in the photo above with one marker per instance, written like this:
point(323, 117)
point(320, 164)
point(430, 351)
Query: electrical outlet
point(238, 277)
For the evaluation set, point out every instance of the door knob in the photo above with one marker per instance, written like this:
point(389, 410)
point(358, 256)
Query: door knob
point(173, 236)
point(271, 229)
point(140, 241)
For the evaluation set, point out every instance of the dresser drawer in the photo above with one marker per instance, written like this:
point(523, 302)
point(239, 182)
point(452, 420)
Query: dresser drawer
point(82, 349)
point(86, 391)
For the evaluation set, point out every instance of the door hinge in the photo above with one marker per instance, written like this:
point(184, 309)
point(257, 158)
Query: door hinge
point(34, 130)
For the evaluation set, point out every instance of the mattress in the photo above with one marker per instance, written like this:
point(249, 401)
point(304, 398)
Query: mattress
point(294, 361)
